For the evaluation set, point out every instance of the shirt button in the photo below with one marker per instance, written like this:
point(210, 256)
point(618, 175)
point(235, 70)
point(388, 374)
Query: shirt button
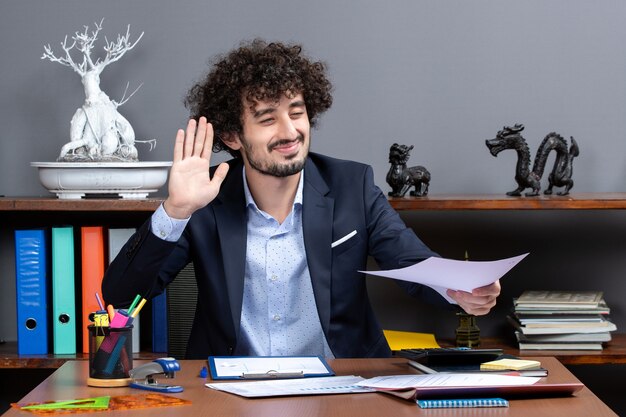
point(163, 234)
point(276, 317)
point(273, 278)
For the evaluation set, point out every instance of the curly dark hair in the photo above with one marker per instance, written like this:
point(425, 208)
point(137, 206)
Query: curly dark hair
point(257, 71)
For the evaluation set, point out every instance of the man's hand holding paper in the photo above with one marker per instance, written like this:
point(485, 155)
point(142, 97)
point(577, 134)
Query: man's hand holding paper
point(473, 285)
point(478, 302)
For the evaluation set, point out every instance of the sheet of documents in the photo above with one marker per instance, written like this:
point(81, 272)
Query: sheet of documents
point(398, 382)
point(441, 274)
point(304, 386)
point(232, 367)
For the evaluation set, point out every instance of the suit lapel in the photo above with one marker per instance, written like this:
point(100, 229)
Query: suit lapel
point(317, 222)
point(230, 216)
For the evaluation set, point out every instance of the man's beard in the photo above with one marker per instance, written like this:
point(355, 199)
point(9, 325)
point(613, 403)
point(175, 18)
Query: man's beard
point(271, 168)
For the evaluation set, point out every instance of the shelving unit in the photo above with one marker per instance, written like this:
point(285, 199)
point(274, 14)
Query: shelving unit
point(26, 211)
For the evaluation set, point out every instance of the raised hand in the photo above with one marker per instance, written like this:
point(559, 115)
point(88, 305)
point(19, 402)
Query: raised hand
point(190, 186)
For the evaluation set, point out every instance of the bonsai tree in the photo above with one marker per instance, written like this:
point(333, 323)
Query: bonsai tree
point(98, 132)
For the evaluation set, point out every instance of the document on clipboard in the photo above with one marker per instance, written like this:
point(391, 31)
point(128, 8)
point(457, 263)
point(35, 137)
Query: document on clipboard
point(268, 367)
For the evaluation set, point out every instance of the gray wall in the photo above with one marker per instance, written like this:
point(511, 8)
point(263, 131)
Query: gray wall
point(441, 75)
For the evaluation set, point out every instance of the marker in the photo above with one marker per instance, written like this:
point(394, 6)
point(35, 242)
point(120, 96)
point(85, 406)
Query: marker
point(139, 307)
point(133, 304)
point(111, 311)
point(120, 320)
point(99, 301)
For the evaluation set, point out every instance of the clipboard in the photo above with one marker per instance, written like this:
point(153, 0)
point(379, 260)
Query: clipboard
point(267, 367)
point(538, 390)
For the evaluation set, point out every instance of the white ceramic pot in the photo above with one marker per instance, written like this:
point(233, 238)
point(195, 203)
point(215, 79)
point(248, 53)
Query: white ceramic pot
point(130, 180)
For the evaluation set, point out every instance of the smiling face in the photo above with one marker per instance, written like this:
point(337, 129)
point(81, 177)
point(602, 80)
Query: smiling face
point(276, 136)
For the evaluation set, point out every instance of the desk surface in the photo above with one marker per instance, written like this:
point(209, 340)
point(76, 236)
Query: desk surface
point(69, 382)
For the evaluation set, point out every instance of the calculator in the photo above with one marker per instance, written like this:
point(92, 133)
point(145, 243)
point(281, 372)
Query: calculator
point(449, 356)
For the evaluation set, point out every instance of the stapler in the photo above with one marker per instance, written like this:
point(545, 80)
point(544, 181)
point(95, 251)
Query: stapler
point(143, 376)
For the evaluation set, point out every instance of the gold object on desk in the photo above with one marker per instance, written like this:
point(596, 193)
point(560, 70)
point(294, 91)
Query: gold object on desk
point(468, 333)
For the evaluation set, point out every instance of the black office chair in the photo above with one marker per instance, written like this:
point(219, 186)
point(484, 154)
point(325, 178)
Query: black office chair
point(182, 295)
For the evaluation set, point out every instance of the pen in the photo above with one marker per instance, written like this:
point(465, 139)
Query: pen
point(272, 375)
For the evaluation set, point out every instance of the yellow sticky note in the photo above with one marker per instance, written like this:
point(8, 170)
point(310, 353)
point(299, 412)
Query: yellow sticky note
point(410, 340)
point(510, 364)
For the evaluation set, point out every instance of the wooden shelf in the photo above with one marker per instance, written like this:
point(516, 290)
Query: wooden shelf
point(580, 201)
point(9, 359)
point(576, 201)
point(613, 353)
point(88, 204)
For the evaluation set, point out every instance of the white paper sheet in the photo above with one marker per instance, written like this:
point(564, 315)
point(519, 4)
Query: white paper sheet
point(441, 274)
point(303, 386)
point(397, 382)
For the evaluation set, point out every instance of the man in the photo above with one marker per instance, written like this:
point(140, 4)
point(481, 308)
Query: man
point(277, 234)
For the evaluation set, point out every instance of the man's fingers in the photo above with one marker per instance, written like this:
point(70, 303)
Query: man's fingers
point(178, 145)
point(491, 289)
point(475, 304)
point(208, 143)
point(220, 174)
point(199, 137)
point(189, 138)
point(477, 311)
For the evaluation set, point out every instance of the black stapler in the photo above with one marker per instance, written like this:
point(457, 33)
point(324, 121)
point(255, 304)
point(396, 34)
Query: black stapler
point(143, 376)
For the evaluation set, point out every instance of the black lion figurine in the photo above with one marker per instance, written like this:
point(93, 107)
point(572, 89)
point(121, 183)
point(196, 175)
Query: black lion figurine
point(401, 178)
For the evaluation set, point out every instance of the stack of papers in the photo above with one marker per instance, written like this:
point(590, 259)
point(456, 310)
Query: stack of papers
point(410, 387)
point(413, 387)
point(305, 386)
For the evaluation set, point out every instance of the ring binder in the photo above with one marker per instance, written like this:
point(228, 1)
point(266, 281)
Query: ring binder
point(463, 403)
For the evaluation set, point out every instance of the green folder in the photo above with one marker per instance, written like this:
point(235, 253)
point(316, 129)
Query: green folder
point(63, 300)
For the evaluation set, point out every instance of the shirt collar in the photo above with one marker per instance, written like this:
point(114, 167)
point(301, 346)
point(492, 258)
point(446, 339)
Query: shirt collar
point(297, 201)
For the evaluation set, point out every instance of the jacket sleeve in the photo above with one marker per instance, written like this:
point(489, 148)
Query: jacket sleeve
point(144, 266)
point(392, 244)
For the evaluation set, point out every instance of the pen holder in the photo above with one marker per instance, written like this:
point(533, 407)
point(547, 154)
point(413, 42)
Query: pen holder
point(110, 356)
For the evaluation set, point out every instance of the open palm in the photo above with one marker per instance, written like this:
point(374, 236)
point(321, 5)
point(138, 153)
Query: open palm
point(190, 185)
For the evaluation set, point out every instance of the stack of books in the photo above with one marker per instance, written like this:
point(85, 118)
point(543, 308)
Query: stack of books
point(561, 320)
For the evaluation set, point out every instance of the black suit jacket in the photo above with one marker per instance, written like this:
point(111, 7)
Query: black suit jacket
point(338, 197)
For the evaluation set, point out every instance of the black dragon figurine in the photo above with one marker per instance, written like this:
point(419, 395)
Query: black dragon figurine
point(561, 175)
point(401, 178)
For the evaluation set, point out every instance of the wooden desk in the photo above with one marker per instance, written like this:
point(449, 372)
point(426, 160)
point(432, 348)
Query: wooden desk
point(69, 382)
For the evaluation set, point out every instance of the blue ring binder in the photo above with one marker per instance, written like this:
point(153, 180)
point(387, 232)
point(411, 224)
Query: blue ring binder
point(463, 403)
